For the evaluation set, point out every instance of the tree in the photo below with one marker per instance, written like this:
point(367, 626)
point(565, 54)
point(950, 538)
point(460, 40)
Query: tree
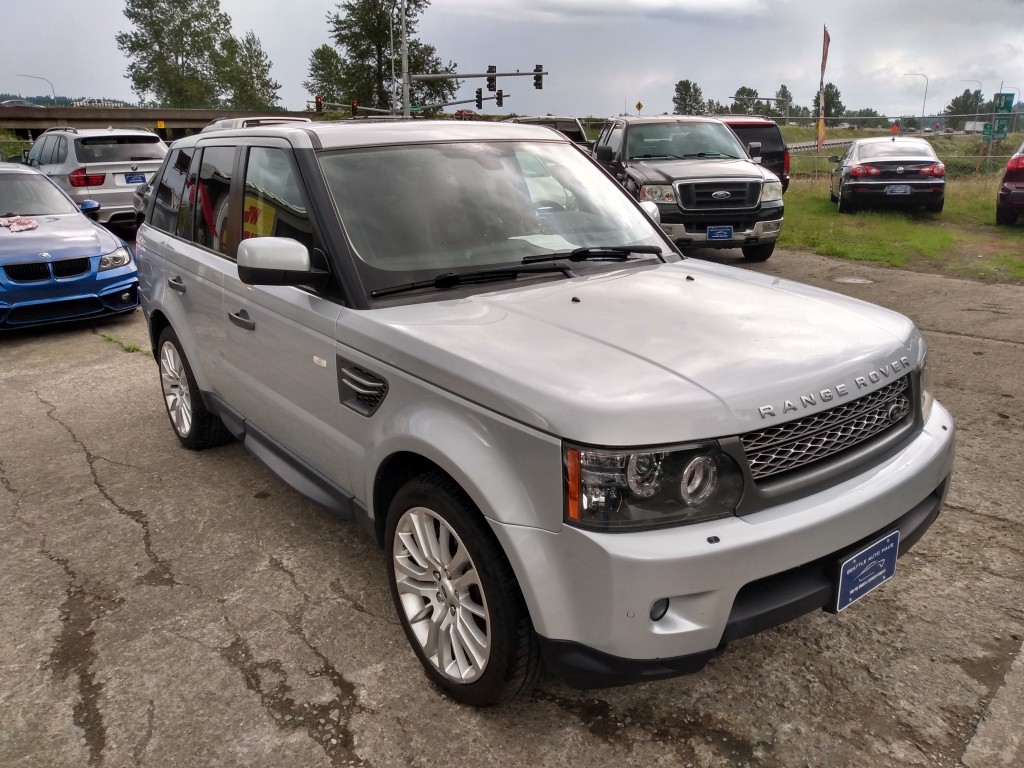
point(326, 72)
point(833, 104)
point(744, 101)
point(688, 99)
point(244, 72)
point(964, 107)
point(172, 49)
point(368, 32)
point(783, 101)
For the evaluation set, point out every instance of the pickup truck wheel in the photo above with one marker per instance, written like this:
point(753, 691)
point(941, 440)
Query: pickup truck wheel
point(195, 426)
point(456, 595)
point(760, 252)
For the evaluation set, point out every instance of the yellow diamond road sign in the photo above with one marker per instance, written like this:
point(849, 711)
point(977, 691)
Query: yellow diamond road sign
point(639, 106)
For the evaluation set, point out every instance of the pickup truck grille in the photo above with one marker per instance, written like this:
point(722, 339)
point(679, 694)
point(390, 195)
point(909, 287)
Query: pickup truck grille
point(711, 195)
point(802, 442)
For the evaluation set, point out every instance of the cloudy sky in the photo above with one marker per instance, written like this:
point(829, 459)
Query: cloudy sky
point(603, 56)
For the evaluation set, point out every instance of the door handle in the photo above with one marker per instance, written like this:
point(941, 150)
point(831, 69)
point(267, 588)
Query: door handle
point(241, 319)
point(176, 284)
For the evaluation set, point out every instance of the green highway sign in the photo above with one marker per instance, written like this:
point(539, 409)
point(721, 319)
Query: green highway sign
point(415, 108)
point(1004, 102)
point(1002, 126)
point(986, 132)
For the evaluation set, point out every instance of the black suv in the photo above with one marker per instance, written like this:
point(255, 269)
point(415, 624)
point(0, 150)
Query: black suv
point(709, 193)
point(774, 153)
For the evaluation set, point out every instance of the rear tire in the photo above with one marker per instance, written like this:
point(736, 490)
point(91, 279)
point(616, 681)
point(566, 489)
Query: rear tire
point(935, 207)
point(760, 252)
point(195, 427)
point(1005, 216)
point(845, 206)
point(456, 595)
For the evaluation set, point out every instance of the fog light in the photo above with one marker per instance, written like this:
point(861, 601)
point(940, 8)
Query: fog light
point(659, 608)
point(771, 226)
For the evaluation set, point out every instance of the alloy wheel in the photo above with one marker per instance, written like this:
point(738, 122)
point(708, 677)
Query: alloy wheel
point(174, 383)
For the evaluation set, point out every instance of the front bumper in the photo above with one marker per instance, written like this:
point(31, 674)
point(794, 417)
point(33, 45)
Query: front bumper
point(590, 594)
point(749, 227)
point(760, 232)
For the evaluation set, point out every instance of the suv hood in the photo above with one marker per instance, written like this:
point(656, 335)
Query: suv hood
point(667, 171)
point(646, 355)
point(67, 236)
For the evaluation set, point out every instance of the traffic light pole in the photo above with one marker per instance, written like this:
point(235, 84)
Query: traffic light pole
point(457, 76)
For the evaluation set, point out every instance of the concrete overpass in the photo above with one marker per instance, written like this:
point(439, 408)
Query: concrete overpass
point(29, 122)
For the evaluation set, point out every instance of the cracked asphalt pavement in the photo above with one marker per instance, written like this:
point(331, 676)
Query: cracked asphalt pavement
point(160, 607)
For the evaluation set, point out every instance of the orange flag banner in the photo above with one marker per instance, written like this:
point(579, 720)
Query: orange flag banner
point(821, 91)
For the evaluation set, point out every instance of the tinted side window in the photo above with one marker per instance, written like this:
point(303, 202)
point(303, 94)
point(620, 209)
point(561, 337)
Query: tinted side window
point(615, 139)
point(186, 211)
point(60, 155)
point(769, 136)
point(46, 154)
point(167, 195)
point(212, 187)
point(35, 152)
point(275, 204)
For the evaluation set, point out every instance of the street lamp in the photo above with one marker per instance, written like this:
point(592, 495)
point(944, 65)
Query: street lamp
point(923, 103)
point(36, 77)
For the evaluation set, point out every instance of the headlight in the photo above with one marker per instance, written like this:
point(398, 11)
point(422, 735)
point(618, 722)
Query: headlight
point(927, 384)
point(118, 258)
point(658, 193)
point(771, 190)
point(614, 490)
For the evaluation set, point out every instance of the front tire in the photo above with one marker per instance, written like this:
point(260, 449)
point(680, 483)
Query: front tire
point(760, 252)
point(456, 595)
point(195, 427)
point(1005, 216)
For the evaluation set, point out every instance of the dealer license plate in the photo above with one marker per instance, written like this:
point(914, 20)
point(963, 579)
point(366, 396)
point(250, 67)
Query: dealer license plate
point(135, 178)
point(868, 569)
point(719, 233)
point(898, 189)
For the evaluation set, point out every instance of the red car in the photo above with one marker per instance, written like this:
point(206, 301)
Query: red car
point(1010, 201)
point(466, 114)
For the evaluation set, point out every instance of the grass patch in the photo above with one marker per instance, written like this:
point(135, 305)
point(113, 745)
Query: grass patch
point(126, 346)
point(963, 240)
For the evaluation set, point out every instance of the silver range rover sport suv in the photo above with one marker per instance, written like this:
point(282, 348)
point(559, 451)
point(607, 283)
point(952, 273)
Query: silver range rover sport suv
point(578, 449)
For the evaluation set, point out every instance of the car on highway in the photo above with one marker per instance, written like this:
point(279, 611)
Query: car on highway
point(888, 172)
point(20, 103)
point(56, 263)
point(101, 164)
point(1010, 197)
point(578, 448)
point(708, 192)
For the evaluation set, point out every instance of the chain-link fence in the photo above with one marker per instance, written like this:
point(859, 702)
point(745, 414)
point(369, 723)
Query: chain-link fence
point(11, 149)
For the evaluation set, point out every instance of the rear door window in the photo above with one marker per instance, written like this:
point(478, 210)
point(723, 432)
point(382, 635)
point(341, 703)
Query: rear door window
point(769, 136)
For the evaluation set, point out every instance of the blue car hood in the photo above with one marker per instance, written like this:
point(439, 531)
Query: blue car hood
point(70, 236)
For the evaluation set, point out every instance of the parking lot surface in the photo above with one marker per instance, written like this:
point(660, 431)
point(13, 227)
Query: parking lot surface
point(160, 607)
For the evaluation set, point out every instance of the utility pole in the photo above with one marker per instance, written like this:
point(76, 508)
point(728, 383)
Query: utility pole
point(405, 66)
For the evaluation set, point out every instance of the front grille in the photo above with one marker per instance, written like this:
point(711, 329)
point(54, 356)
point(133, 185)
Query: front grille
point(54, 310)
point(709, 195)
point(798, 443)
point(27, 273)
point(70, 267)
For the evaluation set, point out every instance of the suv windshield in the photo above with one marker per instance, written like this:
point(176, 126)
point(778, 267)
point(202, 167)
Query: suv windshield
point(681, 139)
point(119, 149)
point(423, 209)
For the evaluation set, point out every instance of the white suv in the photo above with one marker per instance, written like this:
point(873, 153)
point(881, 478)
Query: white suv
point(578, 449)
point(101, 164)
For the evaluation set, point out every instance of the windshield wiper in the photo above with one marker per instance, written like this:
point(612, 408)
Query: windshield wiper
point(598, 253)
point(449, 280)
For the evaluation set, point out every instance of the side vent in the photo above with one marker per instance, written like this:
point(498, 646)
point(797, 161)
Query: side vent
point(359, 389)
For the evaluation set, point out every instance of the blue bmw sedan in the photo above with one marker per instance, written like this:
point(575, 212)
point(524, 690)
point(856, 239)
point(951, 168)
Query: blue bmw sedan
point(56, 263)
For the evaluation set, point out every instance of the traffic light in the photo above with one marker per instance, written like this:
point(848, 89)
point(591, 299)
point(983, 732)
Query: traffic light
point(479, 98)
point(319, 103)
point(499, 98)
point(492, 81)
point(355, 108)
point(538, 76)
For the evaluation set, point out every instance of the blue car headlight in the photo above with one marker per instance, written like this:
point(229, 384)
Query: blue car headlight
point(119, 258)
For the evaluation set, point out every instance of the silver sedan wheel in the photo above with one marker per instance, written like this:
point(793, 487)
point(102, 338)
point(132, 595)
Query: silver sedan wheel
point(441, 595)
point(174, 383)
